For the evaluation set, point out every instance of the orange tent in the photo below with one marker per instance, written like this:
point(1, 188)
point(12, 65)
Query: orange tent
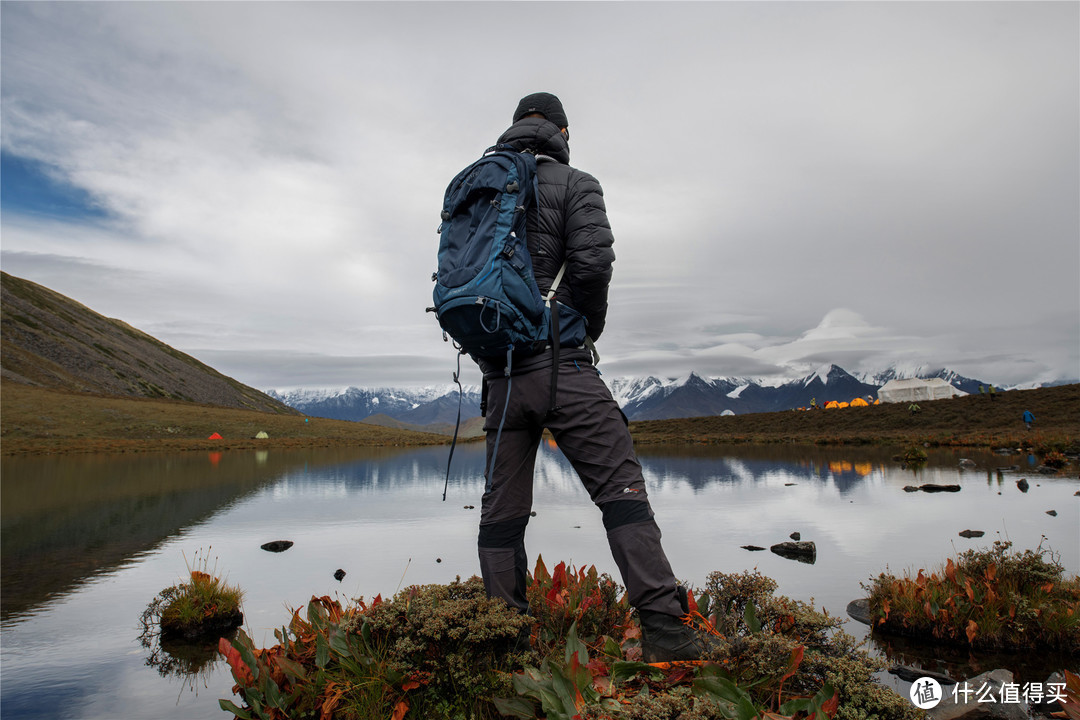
point(832, 404)
point(215, 436)
point(859, 402)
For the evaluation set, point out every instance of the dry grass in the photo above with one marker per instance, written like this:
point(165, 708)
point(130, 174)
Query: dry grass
point(964, 421)
point(37, 420)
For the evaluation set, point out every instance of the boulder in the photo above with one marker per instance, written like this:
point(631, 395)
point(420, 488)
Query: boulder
point(1022, 483)
point(911, 674)
point(971, 533)
point(277, 546)
point(805, 552)
point(795, 536)
point(1048, 706)
point(967, 705)
point(339, 574)
point(860, 610)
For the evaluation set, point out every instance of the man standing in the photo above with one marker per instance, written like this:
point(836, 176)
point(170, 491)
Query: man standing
point(568, 225)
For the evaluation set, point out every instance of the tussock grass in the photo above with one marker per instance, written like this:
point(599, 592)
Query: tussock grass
point(988, 599)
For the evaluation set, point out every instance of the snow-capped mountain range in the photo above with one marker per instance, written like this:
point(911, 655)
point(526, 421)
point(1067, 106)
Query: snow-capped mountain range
point(641, 398)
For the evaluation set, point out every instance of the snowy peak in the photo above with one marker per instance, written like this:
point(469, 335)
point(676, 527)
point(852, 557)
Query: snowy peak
point(641, 398)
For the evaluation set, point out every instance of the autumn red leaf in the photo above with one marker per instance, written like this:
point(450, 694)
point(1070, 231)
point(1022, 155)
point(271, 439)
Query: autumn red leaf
point(972, 630)
point(240, 670)
point(794, 661)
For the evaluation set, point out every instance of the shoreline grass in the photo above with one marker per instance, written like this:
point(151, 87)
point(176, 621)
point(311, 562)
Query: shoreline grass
point(990, 599)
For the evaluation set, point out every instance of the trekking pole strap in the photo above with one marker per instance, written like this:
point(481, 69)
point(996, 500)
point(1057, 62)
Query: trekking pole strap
point(453, 443)
point(502, 420)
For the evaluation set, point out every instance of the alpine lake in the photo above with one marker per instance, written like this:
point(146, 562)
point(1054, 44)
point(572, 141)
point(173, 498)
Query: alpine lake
point(88, 541)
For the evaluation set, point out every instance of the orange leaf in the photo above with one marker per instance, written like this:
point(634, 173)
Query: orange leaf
point(972, 630)
point(691, 602)
point(991, 571)
point(409, 685)
point(793, 662)
point(400, 709)
point(950, 570)
point(831, 705)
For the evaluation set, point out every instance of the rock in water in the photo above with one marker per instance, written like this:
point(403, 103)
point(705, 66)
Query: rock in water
point(860, 610)
point(971, 533)
point(1022, 483)
point(805, 552)
point(752, 547)
point(338, 574)
point(795, 536)
point(277, 545)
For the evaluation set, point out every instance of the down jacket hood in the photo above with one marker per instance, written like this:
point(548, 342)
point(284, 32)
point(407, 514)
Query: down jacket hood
point(539, 135)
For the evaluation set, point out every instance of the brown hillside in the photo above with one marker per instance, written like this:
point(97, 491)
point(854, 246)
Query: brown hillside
point(974, 420)
point(40, 420)
point(51, 341)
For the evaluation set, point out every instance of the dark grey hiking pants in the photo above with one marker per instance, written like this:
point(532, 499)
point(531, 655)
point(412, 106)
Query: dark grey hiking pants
point(591, 431)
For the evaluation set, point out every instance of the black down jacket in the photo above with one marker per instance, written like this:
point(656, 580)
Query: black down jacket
point(568, 223)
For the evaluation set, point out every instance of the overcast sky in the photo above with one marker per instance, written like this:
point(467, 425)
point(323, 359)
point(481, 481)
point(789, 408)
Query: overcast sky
point(790, 184)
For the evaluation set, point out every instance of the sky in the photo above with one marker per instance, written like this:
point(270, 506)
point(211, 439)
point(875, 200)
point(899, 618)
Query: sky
point(258, 184)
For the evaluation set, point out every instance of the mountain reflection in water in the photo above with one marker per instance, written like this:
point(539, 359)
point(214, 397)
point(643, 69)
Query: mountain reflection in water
point(87, 541)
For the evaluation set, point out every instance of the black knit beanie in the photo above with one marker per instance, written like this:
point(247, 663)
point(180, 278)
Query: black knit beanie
point(544, 103)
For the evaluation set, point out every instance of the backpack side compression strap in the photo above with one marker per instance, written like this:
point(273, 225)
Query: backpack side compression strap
point(553, 306)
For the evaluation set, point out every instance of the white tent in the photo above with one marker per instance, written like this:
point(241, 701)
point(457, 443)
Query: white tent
point(916, 389)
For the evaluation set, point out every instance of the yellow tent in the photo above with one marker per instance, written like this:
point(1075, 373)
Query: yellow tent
point(831, 404)
point(859, 402)
point(841, 404)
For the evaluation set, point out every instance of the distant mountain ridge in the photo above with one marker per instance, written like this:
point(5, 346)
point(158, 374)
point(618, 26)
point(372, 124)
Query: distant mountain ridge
point(52, 341)
point(641, 398)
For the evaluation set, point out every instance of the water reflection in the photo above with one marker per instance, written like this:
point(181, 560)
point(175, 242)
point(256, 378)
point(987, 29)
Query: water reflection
point(88, 541)
point(64, 519)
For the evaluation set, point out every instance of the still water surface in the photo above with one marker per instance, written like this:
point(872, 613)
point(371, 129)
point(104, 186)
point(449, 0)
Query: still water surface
point(88, 541)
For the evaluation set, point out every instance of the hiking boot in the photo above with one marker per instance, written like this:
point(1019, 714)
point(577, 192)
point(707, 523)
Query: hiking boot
point(665, 638)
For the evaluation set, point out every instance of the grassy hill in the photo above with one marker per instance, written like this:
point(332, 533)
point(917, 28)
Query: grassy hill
point(973, 420)
point(74, 380)
point(52, 341)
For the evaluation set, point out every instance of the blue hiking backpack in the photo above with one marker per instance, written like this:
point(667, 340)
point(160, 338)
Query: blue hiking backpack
point(485, 295)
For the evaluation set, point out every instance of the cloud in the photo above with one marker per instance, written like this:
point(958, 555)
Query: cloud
point(272, 174)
